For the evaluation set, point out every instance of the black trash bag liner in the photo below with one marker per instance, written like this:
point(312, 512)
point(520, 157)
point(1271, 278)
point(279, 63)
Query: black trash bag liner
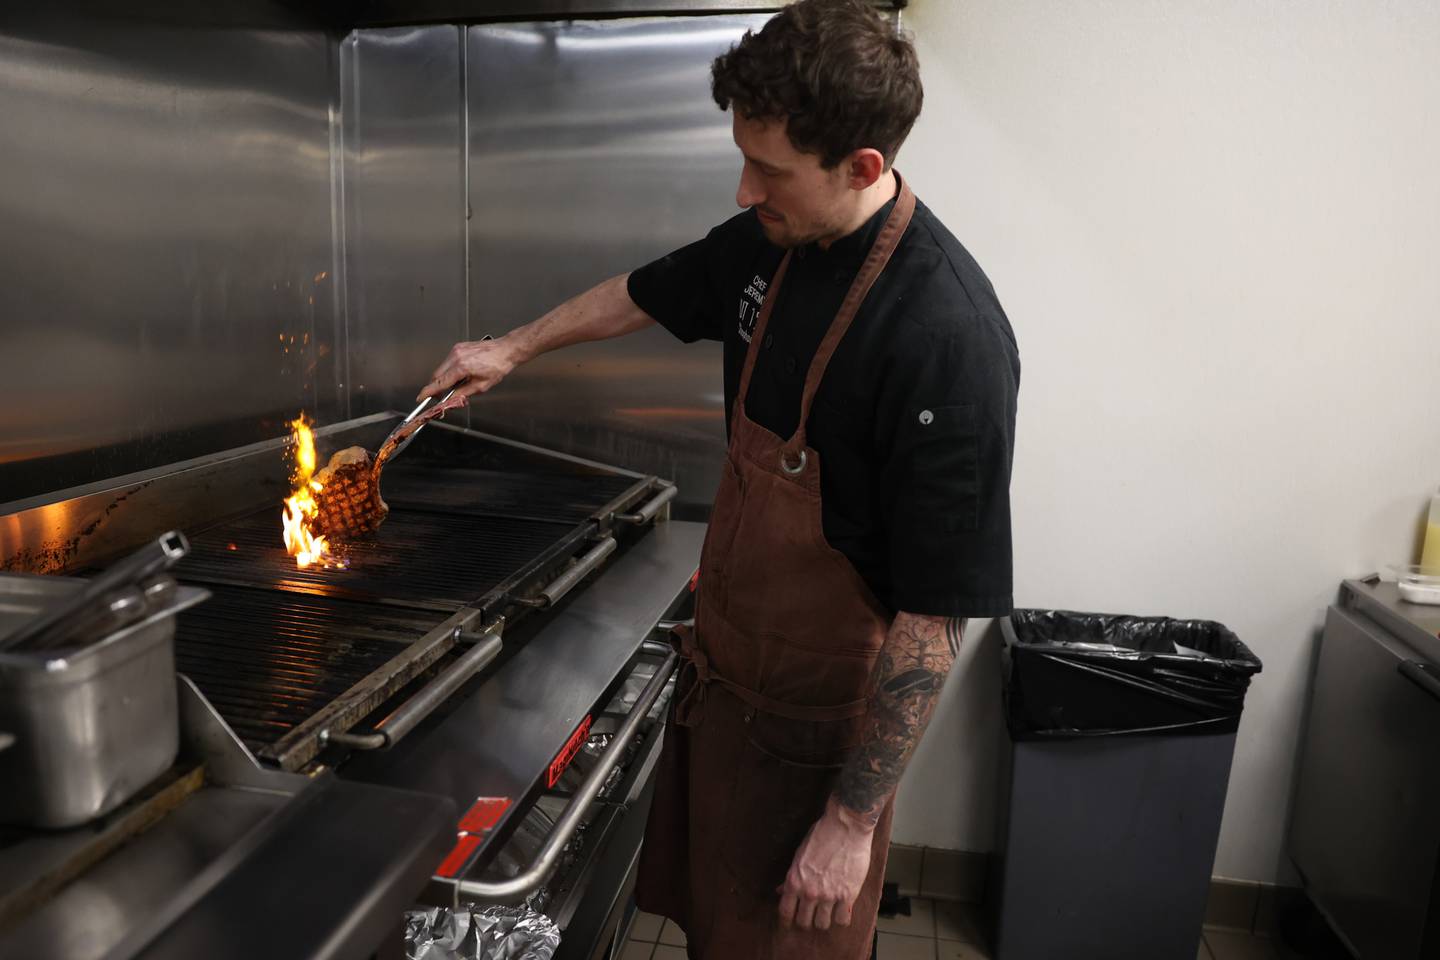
point(1073, 674)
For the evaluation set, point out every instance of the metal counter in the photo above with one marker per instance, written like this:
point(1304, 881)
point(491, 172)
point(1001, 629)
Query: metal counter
point(245, 873)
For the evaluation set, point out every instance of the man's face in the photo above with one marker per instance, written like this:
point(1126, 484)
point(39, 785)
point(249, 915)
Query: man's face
point(796, 200)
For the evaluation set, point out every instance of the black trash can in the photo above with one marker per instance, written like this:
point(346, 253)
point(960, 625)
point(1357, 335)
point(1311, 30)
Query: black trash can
point(1121, 732)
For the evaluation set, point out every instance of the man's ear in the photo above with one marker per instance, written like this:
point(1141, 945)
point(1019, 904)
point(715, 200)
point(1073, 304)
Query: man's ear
point(865, 166)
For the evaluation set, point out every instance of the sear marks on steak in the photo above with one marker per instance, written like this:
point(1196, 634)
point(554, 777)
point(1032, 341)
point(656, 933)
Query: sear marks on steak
point(348, 504)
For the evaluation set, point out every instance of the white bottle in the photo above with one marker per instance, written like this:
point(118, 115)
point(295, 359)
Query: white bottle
point(1430, 557)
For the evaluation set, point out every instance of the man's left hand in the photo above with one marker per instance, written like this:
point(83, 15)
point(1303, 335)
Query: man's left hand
point(828, 871)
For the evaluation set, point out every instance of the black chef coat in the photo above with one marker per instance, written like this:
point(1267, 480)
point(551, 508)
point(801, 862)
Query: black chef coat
point(914, 420)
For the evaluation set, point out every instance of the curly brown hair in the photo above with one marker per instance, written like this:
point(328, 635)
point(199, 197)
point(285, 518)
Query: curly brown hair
point(842, 77)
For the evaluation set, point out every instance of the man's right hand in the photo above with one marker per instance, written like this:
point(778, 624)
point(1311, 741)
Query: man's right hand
point(472, 368)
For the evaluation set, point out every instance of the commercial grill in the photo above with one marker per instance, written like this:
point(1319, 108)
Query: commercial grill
point(288, 655)
point(452, 656)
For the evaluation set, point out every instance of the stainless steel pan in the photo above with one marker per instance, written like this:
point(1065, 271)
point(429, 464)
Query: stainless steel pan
point(88, 725)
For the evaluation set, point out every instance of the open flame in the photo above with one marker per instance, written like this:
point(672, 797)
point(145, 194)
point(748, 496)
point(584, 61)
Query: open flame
point(301, 541)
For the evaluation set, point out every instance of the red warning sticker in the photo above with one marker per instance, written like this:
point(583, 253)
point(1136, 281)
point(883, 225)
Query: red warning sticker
point(483, 814)
point(572, 747)
point(465, 847)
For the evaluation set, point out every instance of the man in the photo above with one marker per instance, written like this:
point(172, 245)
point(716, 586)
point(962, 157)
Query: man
point(863, 511)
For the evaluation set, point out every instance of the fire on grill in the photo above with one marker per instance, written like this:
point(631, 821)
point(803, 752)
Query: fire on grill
point(339, 503)
point(302, 540)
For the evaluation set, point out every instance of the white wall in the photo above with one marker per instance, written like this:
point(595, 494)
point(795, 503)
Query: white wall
point(1215, 227)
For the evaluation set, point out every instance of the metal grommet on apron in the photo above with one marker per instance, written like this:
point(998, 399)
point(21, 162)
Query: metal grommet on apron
point(779, 674)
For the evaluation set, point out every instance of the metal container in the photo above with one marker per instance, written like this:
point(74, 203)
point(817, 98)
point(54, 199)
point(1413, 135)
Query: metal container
point(92, 724)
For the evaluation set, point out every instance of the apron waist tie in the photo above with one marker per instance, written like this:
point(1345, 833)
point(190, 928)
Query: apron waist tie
point(691, 707)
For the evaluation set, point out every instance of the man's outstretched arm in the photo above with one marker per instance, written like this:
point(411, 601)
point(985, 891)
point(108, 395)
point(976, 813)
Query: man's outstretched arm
point(599, 313)
point(830, 866)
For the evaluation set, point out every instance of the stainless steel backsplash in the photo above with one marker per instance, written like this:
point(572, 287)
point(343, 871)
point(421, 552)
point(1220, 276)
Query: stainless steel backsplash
point(166, 266)
point(404, 191)
point(208, 228)
point(595, 148)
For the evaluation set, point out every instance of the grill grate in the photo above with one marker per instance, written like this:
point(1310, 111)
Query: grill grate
point(472, 491)
point(416, 557)
point(283, 652)
point(268, 661)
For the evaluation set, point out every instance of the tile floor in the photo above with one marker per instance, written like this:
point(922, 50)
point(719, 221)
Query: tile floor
point(935, 930)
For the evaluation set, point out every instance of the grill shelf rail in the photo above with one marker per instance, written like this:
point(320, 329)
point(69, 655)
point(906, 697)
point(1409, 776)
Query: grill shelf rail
point(546, 858)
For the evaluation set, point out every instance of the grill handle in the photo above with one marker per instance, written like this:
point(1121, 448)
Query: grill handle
point(652, 506)
point(552, 592)
point(393, 728)
point(525, 882)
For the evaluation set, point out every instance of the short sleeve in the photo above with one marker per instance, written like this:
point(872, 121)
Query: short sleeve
point(683, 290)
point(948, 416)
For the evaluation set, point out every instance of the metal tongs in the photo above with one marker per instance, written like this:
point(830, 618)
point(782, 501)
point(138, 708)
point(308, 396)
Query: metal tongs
point(116, 597)
point(399, 447)
point(400, 428)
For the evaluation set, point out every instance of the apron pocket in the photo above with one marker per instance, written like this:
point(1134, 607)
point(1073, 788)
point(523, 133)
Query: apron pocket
point(785, 773)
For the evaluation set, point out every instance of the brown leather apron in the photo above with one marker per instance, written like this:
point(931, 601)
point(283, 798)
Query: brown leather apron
point(771, 700)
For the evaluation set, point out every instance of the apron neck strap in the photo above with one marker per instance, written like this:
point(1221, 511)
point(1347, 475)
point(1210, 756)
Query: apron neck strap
point(870, 270)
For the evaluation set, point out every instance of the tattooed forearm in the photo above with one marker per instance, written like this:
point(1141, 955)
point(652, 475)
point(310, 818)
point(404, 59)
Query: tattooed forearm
point(912, 667)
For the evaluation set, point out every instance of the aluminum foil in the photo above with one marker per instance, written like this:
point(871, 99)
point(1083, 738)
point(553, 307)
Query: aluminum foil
point(491, 932)
point(539, 900)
